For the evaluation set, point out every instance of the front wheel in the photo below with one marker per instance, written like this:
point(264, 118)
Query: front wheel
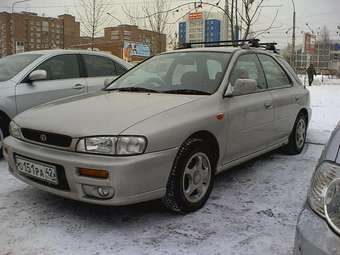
point(191, 178)
point(297, 138)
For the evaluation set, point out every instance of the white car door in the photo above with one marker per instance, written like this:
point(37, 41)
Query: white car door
point(99, 70)
point(63, 80)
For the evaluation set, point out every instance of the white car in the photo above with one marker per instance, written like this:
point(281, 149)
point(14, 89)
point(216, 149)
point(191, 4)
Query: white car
point(33, 78)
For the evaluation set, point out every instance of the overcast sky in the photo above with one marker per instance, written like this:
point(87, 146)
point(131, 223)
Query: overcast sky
point(317, 13)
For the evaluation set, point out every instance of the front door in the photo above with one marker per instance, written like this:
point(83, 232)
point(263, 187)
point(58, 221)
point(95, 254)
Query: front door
point(250, 118)
point(63, 80)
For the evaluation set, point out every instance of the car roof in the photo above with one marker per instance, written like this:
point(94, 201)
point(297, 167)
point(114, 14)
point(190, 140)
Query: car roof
point(63, 51)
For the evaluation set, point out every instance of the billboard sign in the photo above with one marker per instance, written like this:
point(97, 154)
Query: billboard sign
point(195, 16)
point(309, 43)
point(135, 49)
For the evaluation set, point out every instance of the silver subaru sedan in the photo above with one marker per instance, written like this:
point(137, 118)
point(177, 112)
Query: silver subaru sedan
point(318, 227)
point(164, 129)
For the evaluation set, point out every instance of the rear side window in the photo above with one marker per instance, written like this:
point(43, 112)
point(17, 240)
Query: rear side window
point(61, 67)
point(97, 66)
point(248, 67)
point(275, 75)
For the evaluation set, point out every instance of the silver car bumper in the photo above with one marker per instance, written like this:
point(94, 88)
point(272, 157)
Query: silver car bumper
point(134, 179)
point(314, 237)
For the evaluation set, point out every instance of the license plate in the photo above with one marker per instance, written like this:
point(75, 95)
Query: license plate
point(37, 170)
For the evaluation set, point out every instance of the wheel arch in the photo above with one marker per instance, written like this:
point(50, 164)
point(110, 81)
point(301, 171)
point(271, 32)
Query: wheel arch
point(212, 141)
point(4, 117)
point(304, 111)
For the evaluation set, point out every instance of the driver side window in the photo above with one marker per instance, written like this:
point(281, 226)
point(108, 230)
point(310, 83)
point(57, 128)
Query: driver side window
point(248, 67)
point(61, 67)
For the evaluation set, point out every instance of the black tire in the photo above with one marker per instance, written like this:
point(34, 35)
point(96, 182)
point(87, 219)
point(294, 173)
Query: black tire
point(2, 136)
point(293, 147)
point(175, 198)
point(4, 132)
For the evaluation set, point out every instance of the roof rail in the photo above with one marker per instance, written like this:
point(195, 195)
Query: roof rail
point(250, 43)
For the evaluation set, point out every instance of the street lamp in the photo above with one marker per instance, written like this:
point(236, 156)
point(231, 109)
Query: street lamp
point(13, 25)
point(120, 22)
point(17, 2)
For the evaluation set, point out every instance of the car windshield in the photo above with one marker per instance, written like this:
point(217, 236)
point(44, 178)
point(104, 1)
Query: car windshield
point(176, 73)
point(12, 65)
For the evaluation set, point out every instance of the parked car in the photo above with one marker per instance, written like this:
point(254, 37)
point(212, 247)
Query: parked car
point(34, 78)
point(318, 227)
point(164, 129)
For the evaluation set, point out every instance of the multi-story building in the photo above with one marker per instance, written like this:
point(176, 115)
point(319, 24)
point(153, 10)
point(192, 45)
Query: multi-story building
point(116, 39)
point(204, 26)
point(26, 31)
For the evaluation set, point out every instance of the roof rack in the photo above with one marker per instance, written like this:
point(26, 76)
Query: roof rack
point(250, 43)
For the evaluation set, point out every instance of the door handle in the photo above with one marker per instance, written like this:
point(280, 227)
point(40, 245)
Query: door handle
point(268, 106)
point(297, 99)
point(78, 86)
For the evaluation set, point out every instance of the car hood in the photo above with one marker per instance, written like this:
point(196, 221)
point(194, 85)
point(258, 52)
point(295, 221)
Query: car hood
point(104, 113)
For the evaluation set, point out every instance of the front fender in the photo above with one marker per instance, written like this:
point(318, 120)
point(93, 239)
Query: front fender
point(171, 128)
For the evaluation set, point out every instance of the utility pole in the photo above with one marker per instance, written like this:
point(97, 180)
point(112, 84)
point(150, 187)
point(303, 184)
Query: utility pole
point(293, 36)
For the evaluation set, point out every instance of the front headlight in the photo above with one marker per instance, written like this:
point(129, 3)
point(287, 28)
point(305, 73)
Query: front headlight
point(113, 145)
point(15, 130)
point(323, 176)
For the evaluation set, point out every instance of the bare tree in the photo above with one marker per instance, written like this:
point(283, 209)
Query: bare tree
point(92, 14)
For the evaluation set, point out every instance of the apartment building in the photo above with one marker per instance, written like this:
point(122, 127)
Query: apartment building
point(204, 26)
point(26, 31)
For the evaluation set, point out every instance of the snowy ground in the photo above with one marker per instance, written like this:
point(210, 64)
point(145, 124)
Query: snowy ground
point(252, 210)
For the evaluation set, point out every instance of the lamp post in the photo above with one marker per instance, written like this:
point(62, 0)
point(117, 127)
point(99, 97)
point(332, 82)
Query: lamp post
point(120, 22)
point(13, 25)
point(293, 36)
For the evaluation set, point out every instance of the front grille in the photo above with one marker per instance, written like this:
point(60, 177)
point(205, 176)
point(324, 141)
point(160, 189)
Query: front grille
point(63, 184)
point(46, 138)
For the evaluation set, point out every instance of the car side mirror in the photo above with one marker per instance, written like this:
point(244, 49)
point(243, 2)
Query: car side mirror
point(38, 75)
point(243, 87)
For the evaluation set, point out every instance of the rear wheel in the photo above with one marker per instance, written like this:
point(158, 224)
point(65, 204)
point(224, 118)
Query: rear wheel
point(297, 138)
point(191, 178)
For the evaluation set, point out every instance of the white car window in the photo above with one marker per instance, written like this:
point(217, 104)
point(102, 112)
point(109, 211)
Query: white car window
point(275, 75)
point(61, 67)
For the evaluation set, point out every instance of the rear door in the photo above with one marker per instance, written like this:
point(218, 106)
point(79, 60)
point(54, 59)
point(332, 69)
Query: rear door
point(63, 80)
point(250, 118)
point(99, 70)
point(285, 95)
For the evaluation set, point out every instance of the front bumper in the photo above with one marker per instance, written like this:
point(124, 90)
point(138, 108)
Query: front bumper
point(134, 178)
point(314, 236)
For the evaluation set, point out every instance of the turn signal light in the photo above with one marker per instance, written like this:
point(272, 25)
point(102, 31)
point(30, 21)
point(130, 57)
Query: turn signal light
point(102, 174)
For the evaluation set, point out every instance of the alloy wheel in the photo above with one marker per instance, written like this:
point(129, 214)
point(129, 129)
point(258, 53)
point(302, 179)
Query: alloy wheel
point(196, 179)
point(300, 135)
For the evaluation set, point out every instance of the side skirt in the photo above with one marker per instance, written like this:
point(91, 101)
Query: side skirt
point(241, 160)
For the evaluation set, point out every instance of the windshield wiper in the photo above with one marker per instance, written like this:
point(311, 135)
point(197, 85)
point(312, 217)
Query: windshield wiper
point(187, 92)
point(134, 89)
